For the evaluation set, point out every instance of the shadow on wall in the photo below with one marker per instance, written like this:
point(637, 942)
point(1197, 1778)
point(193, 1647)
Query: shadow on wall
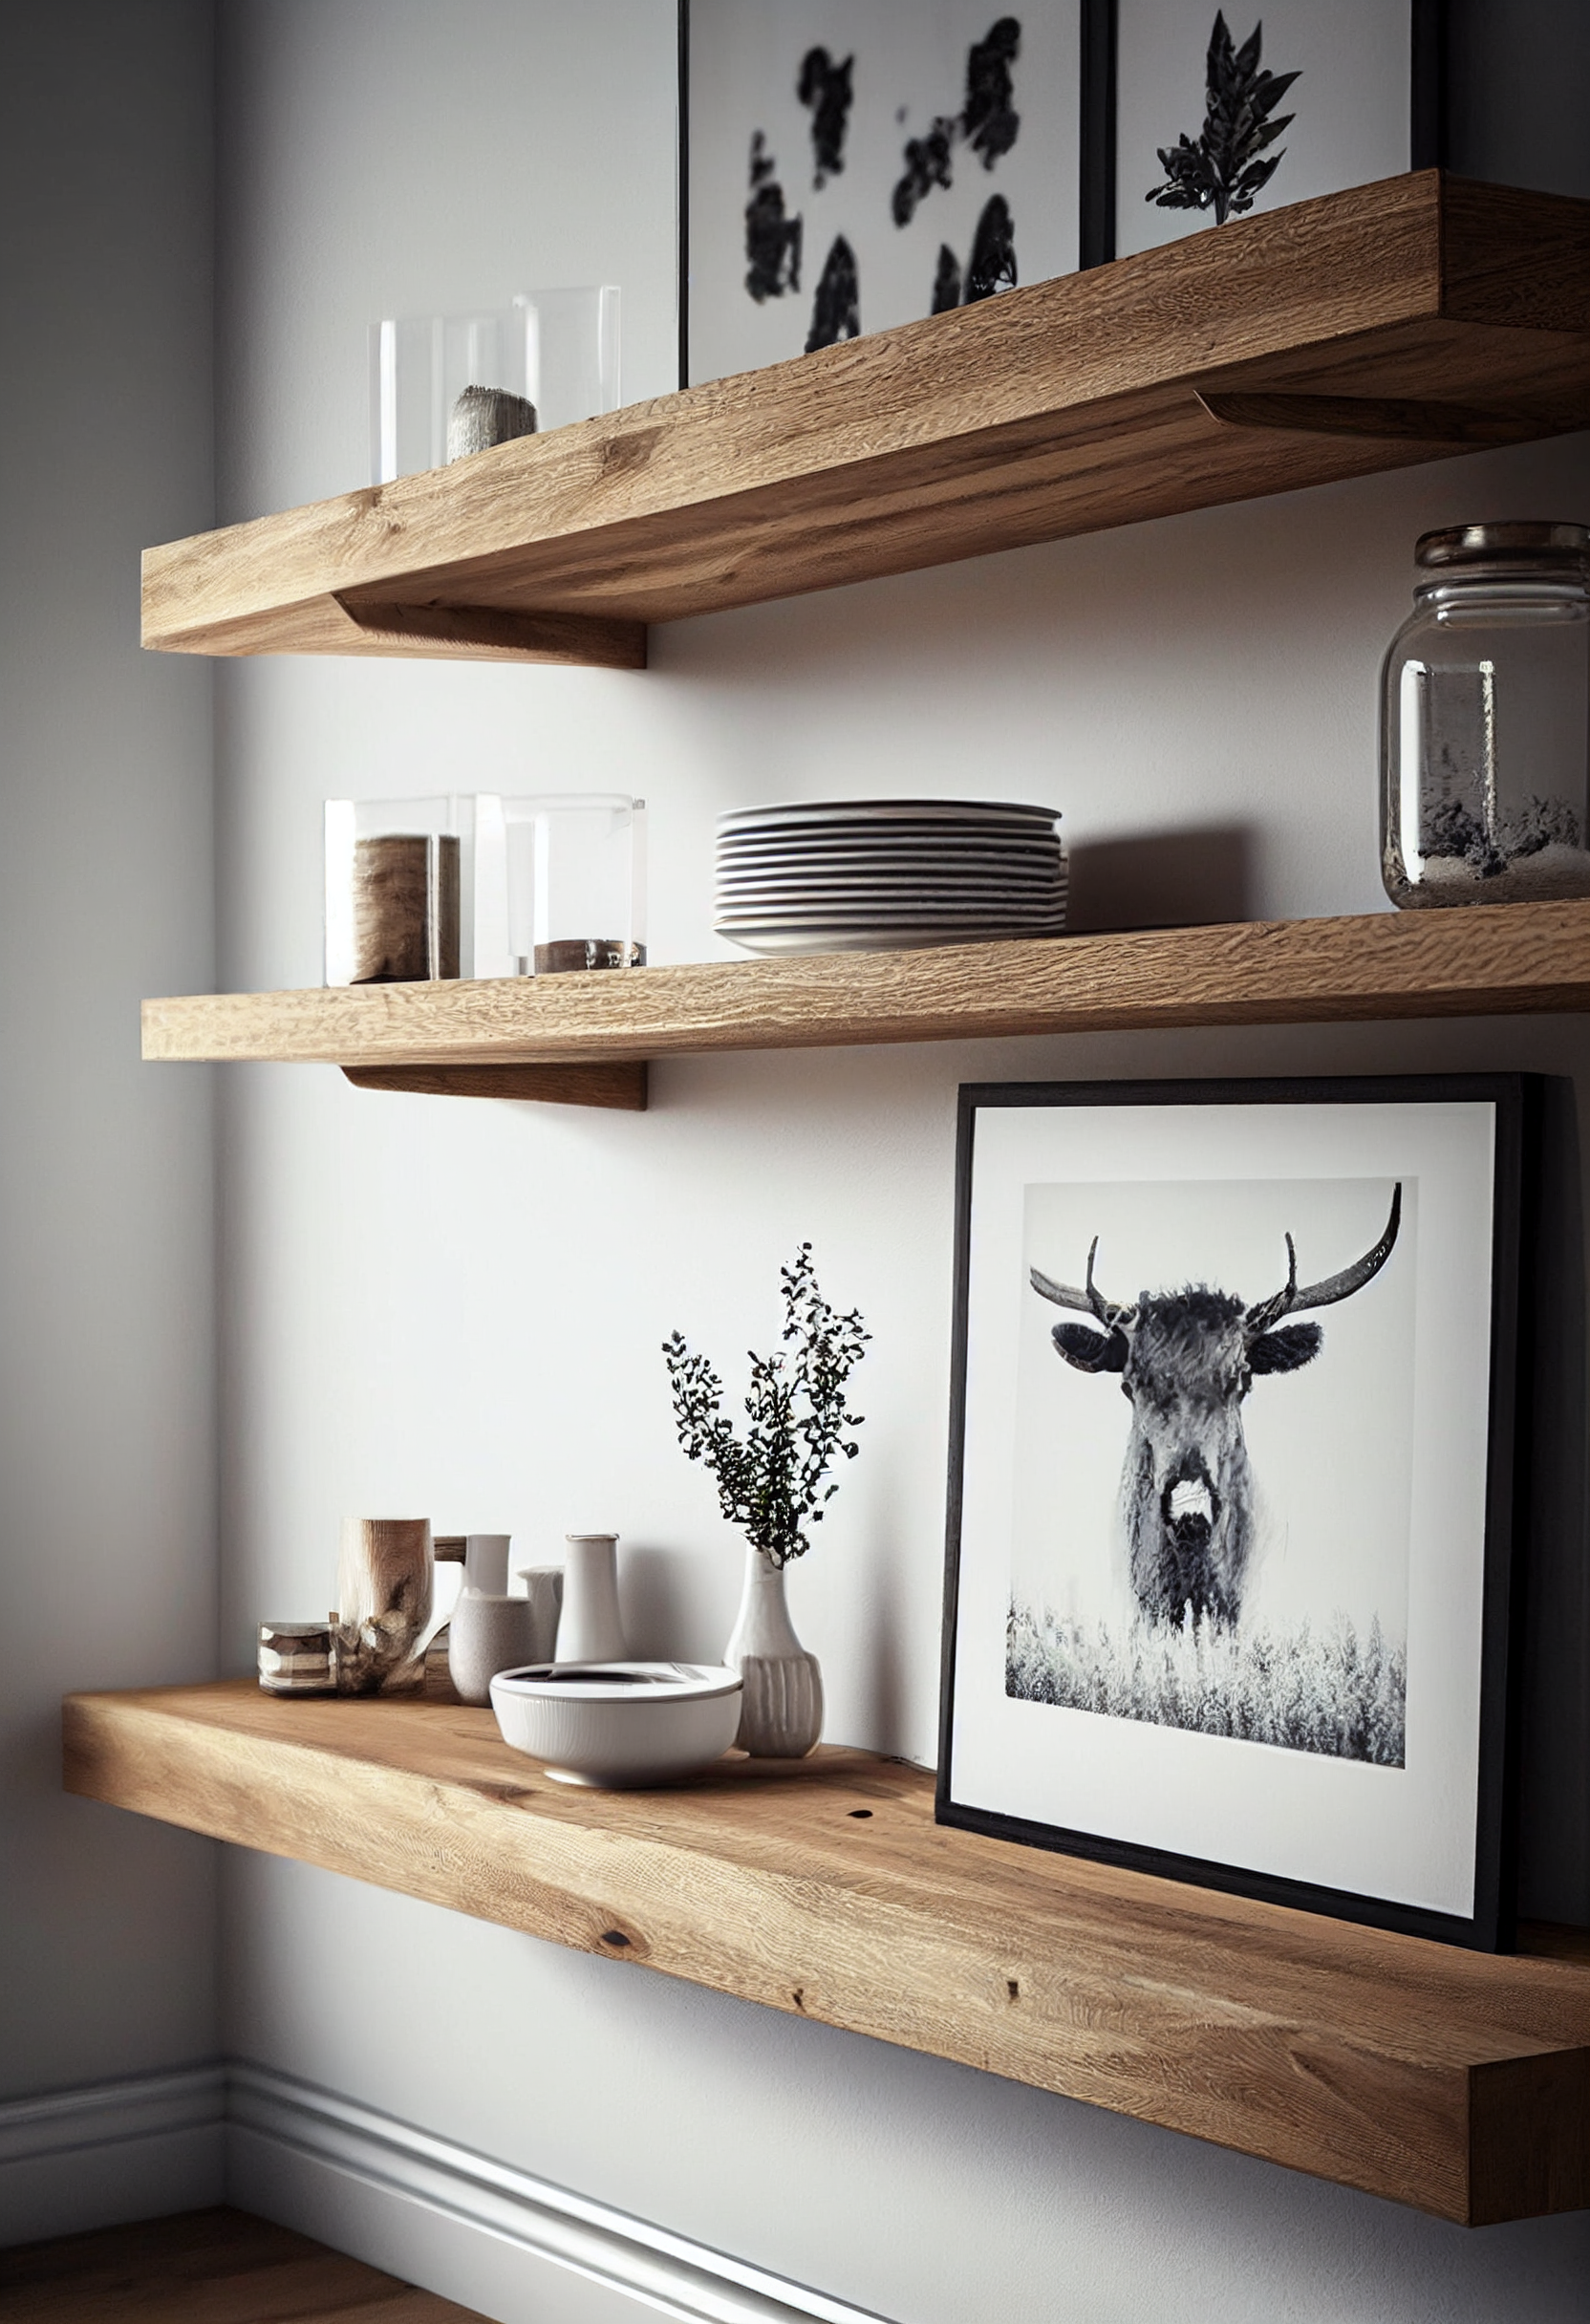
point(1554, 1824)
point(661, 1623)
point(1163, 879)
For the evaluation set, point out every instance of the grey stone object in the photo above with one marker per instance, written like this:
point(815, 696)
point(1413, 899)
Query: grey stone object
point(484, 415)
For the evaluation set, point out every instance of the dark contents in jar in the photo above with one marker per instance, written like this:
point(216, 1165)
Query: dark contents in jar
point(587, 952)
point(405, 908)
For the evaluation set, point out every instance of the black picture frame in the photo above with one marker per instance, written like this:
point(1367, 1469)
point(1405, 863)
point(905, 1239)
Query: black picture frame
point(1096, 150)
point(1516, 1100)
point(1097, 130)
point(1427, 130)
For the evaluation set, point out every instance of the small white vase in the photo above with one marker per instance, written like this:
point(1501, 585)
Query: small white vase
point(781, 1707)
point(589, 1628)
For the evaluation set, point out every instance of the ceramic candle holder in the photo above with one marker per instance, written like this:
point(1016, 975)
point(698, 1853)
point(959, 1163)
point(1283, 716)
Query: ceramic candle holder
point(488, 1634)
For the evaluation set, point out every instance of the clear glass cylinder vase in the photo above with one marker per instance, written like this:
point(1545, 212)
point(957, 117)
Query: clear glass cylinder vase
point(576, 882)
point(400, 890)
point(1485, 721)
point(445, 385)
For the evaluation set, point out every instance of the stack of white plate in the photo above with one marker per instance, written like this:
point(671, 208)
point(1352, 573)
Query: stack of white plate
point(860, 875)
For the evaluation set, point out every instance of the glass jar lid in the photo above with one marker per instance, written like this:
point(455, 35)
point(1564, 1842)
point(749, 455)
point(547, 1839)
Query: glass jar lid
point(1537, 544)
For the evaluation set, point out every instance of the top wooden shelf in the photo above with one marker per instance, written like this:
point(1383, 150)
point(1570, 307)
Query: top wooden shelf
point(1458, 2081)
point(1395, 323)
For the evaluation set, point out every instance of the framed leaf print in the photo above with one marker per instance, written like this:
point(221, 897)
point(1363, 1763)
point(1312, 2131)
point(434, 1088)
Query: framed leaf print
point(1220, 111)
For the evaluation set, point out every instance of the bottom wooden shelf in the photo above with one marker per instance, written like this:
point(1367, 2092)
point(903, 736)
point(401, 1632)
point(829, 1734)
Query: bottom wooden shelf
point(1459, 2083)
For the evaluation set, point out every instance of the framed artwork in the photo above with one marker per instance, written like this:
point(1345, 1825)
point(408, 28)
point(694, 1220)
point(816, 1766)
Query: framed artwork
point(850, 164)
point(1223, 110)
point(1236, 1386)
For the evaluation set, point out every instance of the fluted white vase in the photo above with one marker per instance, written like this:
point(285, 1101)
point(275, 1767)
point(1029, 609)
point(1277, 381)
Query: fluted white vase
point(781, 1705)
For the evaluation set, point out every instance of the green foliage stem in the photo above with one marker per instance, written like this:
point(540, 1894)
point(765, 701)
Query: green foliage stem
point(771, 1481)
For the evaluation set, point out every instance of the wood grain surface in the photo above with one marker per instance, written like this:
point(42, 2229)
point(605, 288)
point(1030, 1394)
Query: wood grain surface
point(1456, 2081)
point(1468, 961)
point(217, 2267)
point(1065, 407)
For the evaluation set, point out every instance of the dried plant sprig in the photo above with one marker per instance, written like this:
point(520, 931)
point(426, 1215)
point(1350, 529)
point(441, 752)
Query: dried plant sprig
point(772, 1482)
point(1223, 169)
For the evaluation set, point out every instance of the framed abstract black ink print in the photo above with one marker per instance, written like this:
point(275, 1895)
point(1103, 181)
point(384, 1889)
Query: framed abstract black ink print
point(1223, 110)
point(849, 165)
point(1232, 1486)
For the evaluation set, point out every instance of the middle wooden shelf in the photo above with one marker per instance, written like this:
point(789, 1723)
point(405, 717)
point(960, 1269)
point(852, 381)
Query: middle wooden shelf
point(586, 1039)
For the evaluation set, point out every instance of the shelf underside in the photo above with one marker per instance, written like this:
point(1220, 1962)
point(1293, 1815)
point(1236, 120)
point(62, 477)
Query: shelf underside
point(585, 1038)
point(1456, 2081)
point(1395, 323)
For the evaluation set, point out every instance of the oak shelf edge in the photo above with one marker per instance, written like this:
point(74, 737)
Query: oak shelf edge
point(585, 1037)
point(1399, 322)
point(1455, 2081)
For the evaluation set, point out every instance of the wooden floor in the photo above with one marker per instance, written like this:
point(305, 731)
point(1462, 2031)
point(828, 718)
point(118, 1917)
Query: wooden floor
point(220, 2267)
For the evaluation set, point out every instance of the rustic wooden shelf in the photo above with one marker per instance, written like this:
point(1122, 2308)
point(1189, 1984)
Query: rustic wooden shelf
point(584, 1040)
point(1399, 322)
point(1456, 2081)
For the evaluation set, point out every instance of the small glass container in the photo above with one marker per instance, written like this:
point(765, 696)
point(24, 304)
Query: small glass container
point(298, 1657)
point(1485, 721)
point(576, 875)
point(398, 883)
point(445, 385)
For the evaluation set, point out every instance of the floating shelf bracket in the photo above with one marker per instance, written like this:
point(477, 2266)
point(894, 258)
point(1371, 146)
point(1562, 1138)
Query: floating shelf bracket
point(1392, 417)
point(581, 641)
point(620, 1084)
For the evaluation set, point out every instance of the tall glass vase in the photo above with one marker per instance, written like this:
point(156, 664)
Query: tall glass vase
point(780, 1714)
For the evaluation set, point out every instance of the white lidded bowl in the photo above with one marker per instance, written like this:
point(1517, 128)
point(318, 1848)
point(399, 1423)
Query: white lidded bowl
point(618, 1725)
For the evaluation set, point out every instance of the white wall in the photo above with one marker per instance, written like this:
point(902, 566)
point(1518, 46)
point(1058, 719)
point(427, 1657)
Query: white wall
point(456, 1307)
point(107, 1468)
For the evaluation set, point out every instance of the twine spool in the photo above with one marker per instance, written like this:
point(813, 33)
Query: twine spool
point(405, 908)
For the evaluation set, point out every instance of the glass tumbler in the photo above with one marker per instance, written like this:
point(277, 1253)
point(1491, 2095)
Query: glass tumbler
point(577, 874)
point(398, 888)
point(1485, 721)
point(445, 385)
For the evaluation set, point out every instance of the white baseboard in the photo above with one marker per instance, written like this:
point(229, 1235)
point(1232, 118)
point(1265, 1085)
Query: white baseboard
point(496, 2239)
point(477, 2231)
point(117, 2151)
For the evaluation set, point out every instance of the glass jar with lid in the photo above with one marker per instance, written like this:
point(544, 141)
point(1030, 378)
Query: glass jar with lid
point(1485, 720)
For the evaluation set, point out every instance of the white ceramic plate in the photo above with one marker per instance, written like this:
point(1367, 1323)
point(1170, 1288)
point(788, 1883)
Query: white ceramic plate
point(618, 1725)
point(839, 811)
point(935, 838)
point(904, 915)
point(778, 940)
point(901, 834)
point(889, 890)
point(889, 871)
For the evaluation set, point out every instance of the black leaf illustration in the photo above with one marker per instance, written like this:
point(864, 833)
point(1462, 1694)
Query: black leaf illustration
point(992, 265)
point(772, 241)
point(836, 310)
point(825, 89)
point(946, 281)
point(989, 122)
point(927, 160)
point(1227, 164)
